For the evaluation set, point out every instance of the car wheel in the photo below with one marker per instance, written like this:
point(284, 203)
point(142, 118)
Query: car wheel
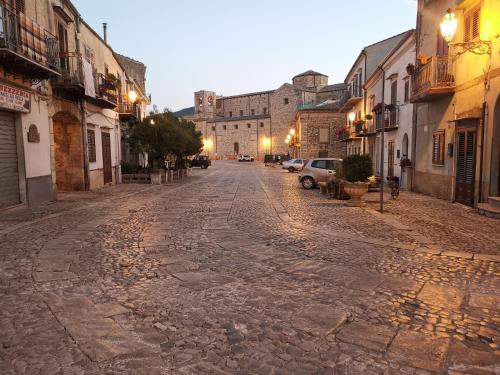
point(308, 183)
point(291, 169)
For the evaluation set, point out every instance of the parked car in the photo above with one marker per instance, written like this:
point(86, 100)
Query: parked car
point(245, 158)
point(318, 170)
point(293, 165)
point(202, 161)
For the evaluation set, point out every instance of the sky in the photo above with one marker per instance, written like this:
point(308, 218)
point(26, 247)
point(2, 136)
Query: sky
point(234, 46)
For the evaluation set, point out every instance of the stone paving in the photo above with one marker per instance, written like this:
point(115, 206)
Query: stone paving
point(238, 271)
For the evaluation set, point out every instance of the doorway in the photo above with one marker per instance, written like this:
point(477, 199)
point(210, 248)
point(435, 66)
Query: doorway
point(466, 165)
point(495, 153)
point(236, 148)
point(106, 158)
point(390, 159)
point(68, 154)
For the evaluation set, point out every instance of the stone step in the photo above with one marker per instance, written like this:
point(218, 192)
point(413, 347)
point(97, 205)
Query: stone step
point(487, 209)
point(494, 201)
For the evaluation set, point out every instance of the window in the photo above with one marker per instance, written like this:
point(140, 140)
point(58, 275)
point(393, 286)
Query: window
point(230, 114)
point(213, 128)
point(224, 127)
point(89, 55)
point(438, 148)
point(407, 90)
point(394, 92)
point(261, 124)
point(285, 101)
point(332, 164)
point(241, 113)
point(264, 110)
point(472, 24)
point(91, 145)
point(249, 126)
point(235, 127)
point(253, 112)
point(321, 164)
point(324, 135)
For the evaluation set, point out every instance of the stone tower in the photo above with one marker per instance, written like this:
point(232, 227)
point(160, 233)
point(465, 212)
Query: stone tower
point(204, 103)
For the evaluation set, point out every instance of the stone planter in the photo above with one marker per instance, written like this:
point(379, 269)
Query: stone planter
point(156, 178)
point(356, 190)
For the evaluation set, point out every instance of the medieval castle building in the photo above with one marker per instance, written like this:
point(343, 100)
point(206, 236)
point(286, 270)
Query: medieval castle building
point(258, 123)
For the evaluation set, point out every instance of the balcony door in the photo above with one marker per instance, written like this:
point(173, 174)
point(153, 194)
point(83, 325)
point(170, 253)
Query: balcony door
point(62, 34)
point(466, 165)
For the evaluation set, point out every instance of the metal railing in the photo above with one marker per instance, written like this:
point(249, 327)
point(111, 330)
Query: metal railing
point(434, 74)
point(22, 35)
point(125, 107)
point(390, 118)
point(71, 69)
point(106, 88)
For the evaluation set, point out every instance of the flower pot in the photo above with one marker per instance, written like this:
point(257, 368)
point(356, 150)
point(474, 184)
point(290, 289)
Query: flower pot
point(156, 178)
point(356, 190)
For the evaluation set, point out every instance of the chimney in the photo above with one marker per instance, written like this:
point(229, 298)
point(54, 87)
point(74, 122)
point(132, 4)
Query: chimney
point(105, 32)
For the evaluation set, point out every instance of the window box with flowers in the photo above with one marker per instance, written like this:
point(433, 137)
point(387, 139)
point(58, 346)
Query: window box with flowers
point(358, 126)
point(342, 133)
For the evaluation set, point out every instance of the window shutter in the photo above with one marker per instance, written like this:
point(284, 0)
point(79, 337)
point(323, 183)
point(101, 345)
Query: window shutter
point(467, 29)
point(476, 17)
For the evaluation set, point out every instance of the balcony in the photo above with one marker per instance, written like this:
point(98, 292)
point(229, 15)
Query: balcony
point(349, 100)
point(27, 49)
point(70, 84)
point(127, 111)
point(432, 80)
point(107, 91)
point(391, 119)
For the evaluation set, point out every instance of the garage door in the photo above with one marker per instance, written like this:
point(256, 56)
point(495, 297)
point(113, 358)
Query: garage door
point(9, 175)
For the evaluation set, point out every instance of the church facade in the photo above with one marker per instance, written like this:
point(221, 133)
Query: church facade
point(258, 123)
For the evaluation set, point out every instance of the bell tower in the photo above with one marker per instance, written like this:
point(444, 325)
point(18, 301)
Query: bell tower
point(204, 103)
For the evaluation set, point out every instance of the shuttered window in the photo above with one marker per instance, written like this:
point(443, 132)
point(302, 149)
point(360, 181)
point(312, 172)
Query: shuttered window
point(91, 145)
point(472, 24)
point(438, 148)
point(324, 134)
point(407, 91)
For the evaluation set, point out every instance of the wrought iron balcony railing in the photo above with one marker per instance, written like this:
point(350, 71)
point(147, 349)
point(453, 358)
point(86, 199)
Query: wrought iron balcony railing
point(23, 40)
point(107, 89)
point(390, 118)
point(432, 80)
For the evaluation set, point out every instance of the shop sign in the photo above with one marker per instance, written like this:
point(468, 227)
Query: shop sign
point(15, 99)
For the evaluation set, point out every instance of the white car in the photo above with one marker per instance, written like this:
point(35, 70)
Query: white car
point(245, 158)
point(293, 165)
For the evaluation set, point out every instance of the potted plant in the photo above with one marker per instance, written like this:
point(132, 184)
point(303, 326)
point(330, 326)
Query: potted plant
point(342, 133)
point(356, 170)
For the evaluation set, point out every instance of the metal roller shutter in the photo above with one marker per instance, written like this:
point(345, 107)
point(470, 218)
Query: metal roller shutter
point(9, 174)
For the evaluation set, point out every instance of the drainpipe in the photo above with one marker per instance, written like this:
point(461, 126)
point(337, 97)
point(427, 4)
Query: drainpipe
point(481, 152)
point(415, 105)
point(382, 143)
point(364, 139)
point(86, 183)
point(105, 32)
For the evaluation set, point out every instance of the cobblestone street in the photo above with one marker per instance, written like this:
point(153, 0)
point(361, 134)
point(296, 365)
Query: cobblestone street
point(238, 270)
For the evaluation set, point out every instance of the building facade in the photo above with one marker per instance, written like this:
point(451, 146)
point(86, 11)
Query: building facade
point(64, 97)
point(392, 80)
point(259, 123)
point(455, 88)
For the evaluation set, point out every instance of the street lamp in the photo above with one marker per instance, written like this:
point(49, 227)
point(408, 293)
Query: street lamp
point(132, 96)
point(287, 141)
point(152, 122)
point(352, 116)
point(292, 131)
point(449, 26)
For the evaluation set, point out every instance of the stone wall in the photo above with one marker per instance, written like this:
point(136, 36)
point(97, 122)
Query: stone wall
point(283, 116)
point(310, 123)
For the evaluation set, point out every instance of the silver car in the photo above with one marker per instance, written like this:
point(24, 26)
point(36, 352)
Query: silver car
point(318, 170)
point(293, 165)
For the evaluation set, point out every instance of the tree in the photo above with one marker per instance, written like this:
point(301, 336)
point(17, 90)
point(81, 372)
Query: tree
point(163, 133)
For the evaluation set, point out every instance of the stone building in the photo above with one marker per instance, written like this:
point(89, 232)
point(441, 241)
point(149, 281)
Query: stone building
point(258, 123)
point(456, 91)
point(64, 95)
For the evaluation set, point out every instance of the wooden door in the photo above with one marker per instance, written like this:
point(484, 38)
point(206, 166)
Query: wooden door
point(106, 158)
point(390, 159)
point(466, 163)
point(9, 169)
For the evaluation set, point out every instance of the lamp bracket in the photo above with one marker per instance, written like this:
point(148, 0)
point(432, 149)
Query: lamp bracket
point(478, 47)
